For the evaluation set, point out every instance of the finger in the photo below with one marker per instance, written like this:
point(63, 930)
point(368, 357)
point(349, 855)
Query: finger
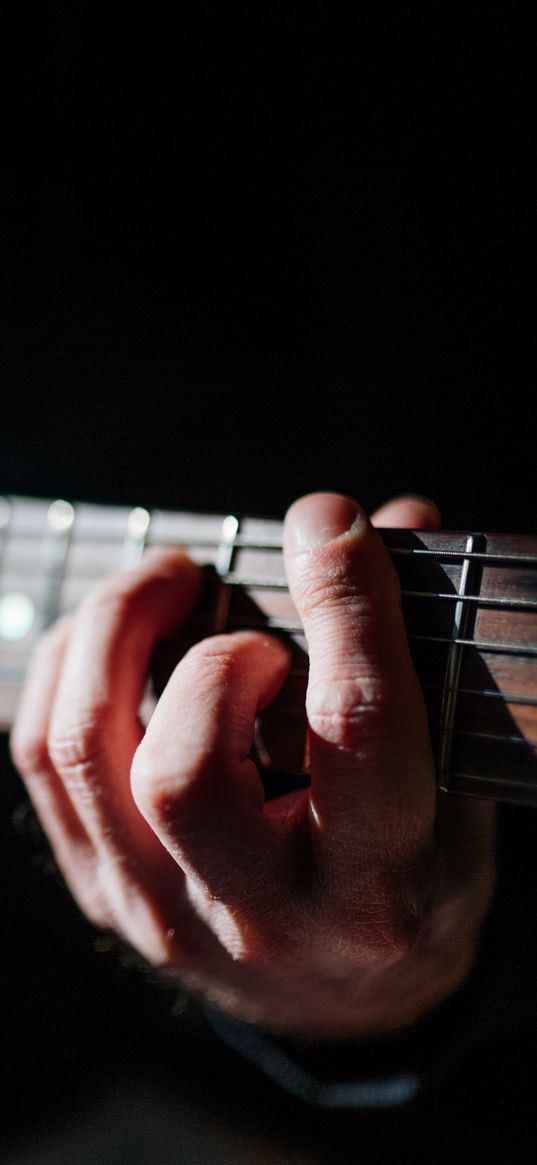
point(94, 726)
point(408, 512)
point(372, 772)
point(73, 850)
point(193, 781)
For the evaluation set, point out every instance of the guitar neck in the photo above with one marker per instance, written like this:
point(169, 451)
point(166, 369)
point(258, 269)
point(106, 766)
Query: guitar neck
point(469, 601)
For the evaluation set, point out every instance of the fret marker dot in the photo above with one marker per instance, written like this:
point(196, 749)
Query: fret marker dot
point(17, 613)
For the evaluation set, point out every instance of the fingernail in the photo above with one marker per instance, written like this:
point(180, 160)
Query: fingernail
point(319, 518)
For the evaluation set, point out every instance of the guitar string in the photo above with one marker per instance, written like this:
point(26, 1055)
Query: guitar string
point(485, 784)
point(295, 627)
point(15, 677)
point(252, 582)
point(243, 542)
point(249, 582)
point(277, 584)
point(487, 558)
point(13, 674)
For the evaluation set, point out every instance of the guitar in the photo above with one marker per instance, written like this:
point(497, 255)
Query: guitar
point(469, 602)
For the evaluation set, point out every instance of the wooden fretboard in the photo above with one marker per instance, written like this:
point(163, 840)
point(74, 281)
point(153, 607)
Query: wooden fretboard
point(470, 604)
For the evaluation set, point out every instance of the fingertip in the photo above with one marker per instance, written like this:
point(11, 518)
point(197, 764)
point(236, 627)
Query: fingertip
point(172, 562)
point(176, 557)
point(271, 648)
point(408, 511)
point(319, 518)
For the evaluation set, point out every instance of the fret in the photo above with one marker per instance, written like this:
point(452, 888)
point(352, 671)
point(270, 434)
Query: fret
point(226, 546)
point(461, 622)
point(137, 536)
point(223, 563)
point(60, 521)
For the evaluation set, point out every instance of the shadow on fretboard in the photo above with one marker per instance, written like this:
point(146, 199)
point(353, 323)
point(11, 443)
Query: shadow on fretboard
point(280, 740)
point(482, 738)
point(489, 749)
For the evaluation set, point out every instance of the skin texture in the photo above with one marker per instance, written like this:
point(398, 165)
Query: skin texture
point(348, 909)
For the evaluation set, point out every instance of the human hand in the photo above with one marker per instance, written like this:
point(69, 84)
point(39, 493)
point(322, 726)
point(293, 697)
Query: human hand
point(350, 908)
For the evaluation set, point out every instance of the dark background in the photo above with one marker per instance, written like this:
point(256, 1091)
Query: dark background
point(258, 250)
point(250, 251)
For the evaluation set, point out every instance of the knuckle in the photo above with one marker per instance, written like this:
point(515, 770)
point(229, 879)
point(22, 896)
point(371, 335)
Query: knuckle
point(175, 800)
point(142, 779)
point(94, 905)
point(335, 590)
point(121, 593)
point(77, 747)
point(347, 712)
point(108, 599)
point(216, 655)
point(29, 753)
point(331, 589)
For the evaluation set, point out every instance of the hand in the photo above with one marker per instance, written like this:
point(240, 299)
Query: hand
point(350, 908)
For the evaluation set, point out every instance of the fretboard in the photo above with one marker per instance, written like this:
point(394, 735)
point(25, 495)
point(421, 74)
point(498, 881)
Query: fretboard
point(469, 601)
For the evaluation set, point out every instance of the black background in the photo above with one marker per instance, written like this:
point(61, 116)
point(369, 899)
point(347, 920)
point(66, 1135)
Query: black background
point(252, 251)
point(258, 250)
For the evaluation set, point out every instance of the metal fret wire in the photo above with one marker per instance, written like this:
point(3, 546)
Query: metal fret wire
point(223, 563)
point(60, 522)
point(461, 619)
point(137, 536)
